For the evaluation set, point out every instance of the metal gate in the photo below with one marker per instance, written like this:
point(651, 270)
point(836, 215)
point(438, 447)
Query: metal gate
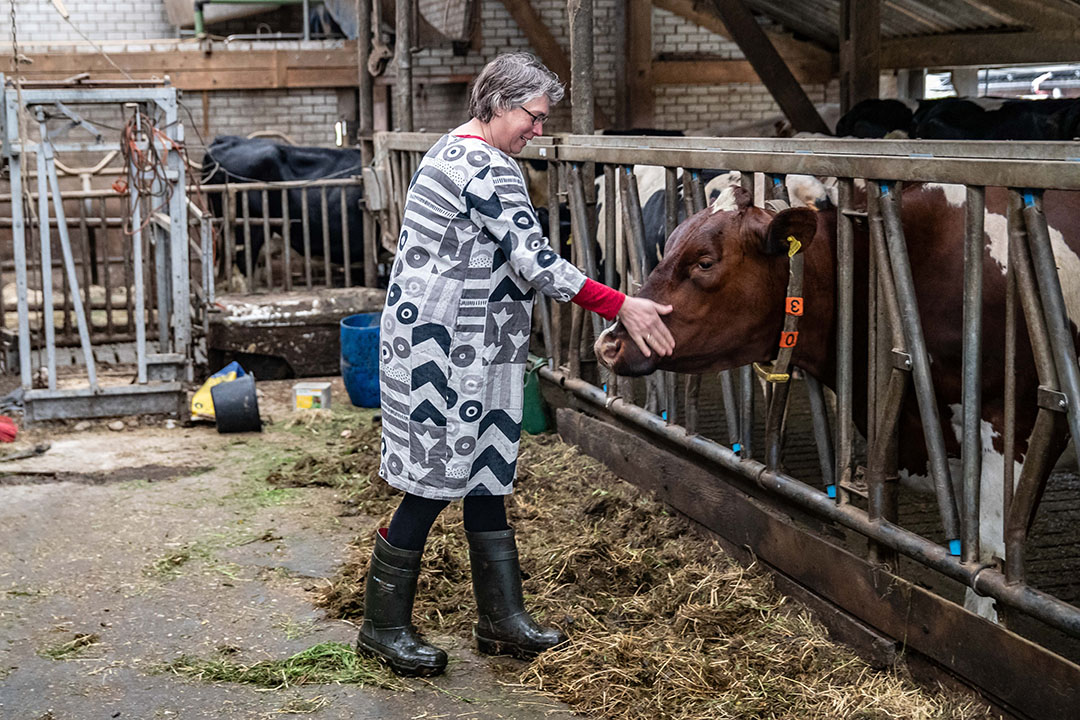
point(147, 295)
point(897, 359)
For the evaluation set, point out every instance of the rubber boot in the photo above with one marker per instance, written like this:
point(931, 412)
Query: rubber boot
point(387, 630)
point(505, 627)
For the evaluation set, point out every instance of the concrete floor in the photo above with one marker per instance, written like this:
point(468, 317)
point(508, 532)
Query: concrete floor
point(89, 554)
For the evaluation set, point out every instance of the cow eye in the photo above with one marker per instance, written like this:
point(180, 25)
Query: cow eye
point(705, 263)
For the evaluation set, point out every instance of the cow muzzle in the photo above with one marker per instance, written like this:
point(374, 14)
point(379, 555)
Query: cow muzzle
point(616, 351)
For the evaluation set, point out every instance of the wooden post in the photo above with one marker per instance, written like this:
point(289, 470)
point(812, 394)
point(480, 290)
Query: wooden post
point(622, 106)
point(860, 51)
point(403, 105)
point(639, 62)
point(769, 66)
point(581, 66)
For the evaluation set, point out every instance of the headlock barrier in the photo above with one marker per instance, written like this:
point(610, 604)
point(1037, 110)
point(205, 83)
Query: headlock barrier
point(987, 495)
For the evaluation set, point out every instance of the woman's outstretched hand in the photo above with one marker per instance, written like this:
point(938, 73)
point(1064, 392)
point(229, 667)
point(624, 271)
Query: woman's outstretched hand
point(641, 318)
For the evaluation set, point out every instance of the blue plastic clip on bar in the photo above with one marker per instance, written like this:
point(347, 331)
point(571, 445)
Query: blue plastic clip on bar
point(954, 548)
point(605, 387)
point(1029, 198)
point(737, 447)
point(830, 490)
point(663, 415)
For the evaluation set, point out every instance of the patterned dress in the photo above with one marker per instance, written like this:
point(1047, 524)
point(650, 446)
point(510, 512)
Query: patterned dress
point(455, 329)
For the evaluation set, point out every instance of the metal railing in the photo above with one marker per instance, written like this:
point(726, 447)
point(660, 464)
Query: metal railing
point(897, 348)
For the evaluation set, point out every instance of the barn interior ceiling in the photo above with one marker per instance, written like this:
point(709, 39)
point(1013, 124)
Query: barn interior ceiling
point(819, 19)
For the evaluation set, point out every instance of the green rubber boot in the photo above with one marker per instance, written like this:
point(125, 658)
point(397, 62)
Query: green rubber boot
point(505, 627)
point(387, 631)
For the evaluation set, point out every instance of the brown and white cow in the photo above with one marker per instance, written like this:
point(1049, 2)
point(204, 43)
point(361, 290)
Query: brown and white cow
point(725, 274)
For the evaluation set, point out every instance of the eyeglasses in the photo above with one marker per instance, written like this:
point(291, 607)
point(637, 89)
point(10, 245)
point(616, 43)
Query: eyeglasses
point(535, 118)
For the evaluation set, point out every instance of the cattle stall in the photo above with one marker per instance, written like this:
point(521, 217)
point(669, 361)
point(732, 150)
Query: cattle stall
point(833, 530)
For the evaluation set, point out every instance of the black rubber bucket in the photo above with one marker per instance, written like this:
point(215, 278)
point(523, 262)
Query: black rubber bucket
point(236, 406)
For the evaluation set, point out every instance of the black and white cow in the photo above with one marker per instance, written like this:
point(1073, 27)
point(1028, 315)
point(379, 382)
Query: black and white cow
point(233, 159)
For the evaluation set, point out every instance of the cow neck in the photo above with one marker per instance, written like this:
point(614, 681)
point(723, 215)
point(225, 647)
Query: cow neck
point(777, 371)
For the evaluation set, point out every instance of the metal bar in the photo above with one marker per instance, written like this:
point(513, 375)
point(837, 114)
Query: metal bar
point(206, 235)
point(106, 270)
point(746, 416)
point(822, 434)
point(924, 384)
point(971, 395)
point(609, 239)
point(163, 284)
point(249, 260)
point(69, 262)
point(987, 581)
point(881, 501)
point(697, 191)
point(325, 207)
point(584, 241)
point(555, 236)
point(1038, 463)
point(1053, 303)
point(671, 201)
point(88, 263)
point(687, 193)
point(845, 335)
point(306, 227)
point(345, 238)
point(268, 245)
point(48, 318)
point(690, 400)
point(774, 417)
point(371, 258)
point(1030, 300)
point(137, 272)
point(286, 239)
point(634, 227)
point(228, 231)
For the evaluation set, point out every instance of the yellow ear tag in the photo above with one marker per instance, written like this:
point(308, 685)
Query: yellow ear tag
point(794, 246)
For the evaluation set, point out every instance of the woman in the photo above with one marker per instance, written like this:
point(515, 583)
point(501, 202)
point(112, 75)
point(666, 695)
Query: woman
point(455, 336)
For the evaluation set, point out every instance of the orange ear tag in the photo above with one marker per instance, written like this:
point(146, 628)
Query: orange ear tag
point(788, 339)
point(794, 306)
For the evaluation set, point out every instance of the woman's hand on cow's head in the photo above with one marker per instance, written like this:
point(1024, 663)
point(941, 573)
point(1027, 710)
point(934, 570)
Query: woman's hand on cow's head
point(641, 318)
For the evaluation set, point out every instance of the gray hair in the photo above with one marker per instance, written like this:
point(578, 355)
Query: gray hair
point(509, 81)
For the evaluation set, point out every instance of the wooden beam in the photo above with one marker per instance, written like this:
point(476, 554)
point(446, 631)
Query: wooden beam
point(226, 70)
point(860, 51)
point(769, 66)
point(1039, 14)
point(546, 46)
point(792, 50)
point(720, 72)
point(960, 49)
point(639, 61)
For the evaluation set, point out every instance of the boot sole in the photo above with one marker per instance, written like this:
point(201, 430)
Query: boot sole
point(400, 668)
point(502, 647)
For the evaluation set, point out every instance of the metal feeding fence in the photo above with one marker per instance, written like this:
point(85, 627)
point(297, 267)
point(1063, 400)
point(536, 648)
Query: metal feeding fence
point(859, 492)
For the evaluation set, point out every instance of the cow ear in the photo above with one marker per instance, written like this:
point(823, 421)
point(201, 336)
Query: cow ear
point(799, 223)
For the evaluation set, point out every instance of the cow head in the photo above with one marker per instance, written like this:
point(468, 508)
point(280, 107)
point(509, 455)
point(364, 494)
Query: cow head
point(725, 273)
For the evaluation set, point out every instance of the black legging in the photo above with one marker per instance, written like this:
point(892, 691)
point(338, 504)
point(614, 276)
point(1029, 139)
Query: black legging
point(415, 516)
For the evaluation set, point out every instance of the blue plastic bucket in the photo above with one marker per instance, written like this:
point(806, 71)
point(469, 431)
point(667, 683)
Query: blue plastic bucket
point(360, 358)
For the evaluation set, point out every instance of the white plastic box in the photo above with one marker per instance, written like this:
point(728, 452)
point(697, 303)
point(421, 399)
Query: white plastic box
point(311, 396)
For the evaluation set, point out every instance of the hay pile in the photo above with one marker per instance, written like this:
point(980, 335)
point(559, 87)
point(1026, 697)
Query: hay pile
point(663, 624)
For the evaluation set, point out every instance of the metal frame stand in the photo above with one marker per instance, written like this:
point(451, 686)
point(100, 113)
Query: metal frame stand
point(157, 387)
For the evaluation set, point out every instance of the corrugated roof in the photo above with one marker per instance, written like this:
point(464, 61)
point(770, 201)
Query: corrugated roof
point(819, 20)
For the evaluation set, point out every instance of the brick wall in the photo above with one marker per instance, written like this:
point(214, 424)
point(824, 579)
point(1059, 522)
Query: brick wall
point(305, 115)
point(674, 35)
point(38, 20)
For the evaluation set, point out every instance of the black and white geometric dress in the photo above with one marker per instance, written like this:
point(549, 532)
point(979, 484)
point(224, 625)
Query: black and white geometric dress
point(455, 329)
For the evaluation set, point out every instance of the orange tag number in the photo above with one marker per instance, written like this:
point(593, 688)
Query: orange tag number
point(794, 306)
point(788, 339)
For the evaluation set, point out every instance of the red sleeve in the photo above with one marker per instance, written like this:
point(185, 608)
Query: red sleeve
point(600, 299)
